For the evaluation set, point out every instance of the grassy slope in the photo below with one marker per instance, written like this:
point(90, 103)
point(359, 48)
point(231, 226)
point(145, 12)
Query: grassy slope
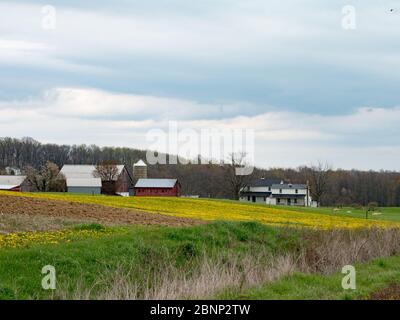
point(220, 210)
point(385, 213)
point(140, 248)
point(370, 277)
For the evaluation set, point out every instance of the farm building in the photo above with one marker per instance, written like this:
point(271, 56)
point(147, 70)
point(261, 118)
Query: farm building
point(85, 179)
point(140, 170)
point(276, 192)
point(158, 188)
point(14, 183)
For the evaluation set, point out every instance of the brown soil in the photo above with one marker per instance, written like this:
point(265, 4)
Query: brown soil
point(391, 292)
point(72, 211)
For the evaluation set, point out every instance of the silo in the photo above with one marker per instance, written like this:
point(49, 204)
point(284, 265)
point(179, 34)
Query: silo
point(140, 170)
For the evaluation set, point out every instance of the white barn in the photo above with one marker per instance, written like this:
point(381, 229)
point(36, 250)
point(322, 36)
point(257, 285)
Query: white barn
point(81, 179)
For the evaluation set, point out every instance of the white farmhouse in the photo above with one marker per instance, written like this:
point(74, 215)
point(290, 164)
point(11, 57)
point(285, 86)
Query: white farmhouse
point(276, 192)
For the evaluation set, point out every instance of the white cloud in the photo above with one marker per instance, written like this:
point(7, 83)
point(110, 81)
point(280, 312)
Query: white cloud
point(360, 139)
point(92, 103)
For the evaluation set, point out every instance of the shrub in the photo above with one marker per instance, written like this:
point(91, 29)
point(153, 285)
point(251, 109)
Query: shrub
point(189, 250)
point(372, 206)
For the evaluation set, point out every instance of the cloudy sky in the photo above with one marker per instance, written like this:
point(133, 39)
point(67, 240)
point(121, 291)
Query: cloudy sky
point(297, 72)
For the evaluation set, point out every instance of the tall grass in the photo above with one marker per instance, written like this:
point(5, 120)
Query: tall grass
point(326, 252)
point(207, 274)
point(209, 277)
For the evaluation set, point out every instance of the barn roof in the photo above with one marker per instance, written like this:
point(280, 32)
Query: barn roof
point(156, 183)
point(91, 182)
point(83, 170)
point(140, 163)
point(10, 182)
point(83, 175)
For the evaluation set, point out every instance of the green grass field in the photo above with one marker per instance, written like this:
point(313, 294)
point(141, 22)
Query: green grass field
point(245, 251)
point(141, 251)
point(154, 257)
point(382, 213)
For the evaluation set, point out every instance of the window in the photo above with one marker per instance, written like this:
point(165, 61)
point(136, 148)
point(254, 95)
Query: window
point(295, 200)
point(265, 199)
point(248, 198)
point(279, 200)
point(280, 190)
point(297, 191)
point(269, 188)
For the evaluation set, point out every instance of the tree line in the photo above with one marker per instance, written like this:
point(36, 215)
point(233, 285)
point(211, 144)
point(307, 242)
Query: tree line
point(328, 186)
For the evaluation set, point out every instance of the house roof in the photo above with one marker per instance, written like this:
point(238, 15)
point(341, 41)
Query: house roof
point(288, 186)
point(10, 182)
point(265, 182)
point(156, 183)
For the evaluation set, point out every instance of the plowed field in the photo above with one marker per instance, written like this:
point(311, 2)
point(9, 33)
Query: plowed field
point(79, 212)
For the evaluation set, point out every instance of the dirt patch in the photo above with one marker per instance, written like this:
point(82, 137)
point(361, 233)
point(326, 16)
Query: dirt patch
point(10, 223)
point(12, 207)
point(392, 292)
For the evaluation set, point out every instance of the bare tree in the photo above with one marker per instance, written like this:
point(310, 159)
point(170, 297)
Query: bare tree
point(108, 172)
point(47, 179)
point(318, 176)
point(344, 187)
point(237, 181)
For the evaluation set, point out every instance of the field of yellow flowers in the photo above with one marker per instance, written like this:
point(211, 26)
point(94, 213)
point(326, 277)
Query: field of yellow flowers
point(210, 210)
point(25, 239)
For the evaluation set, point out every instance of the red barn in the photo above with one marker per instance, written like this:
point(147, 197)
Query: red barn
point(14, 183)
point(157, 188)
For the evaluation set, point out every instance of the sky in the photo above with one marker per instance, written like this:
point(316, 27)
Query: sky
point(315, 80)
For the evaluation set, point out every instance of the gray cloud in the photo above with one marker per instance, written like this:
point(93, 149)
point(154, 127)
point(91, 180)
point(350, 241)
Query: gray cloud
point(132, 65)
